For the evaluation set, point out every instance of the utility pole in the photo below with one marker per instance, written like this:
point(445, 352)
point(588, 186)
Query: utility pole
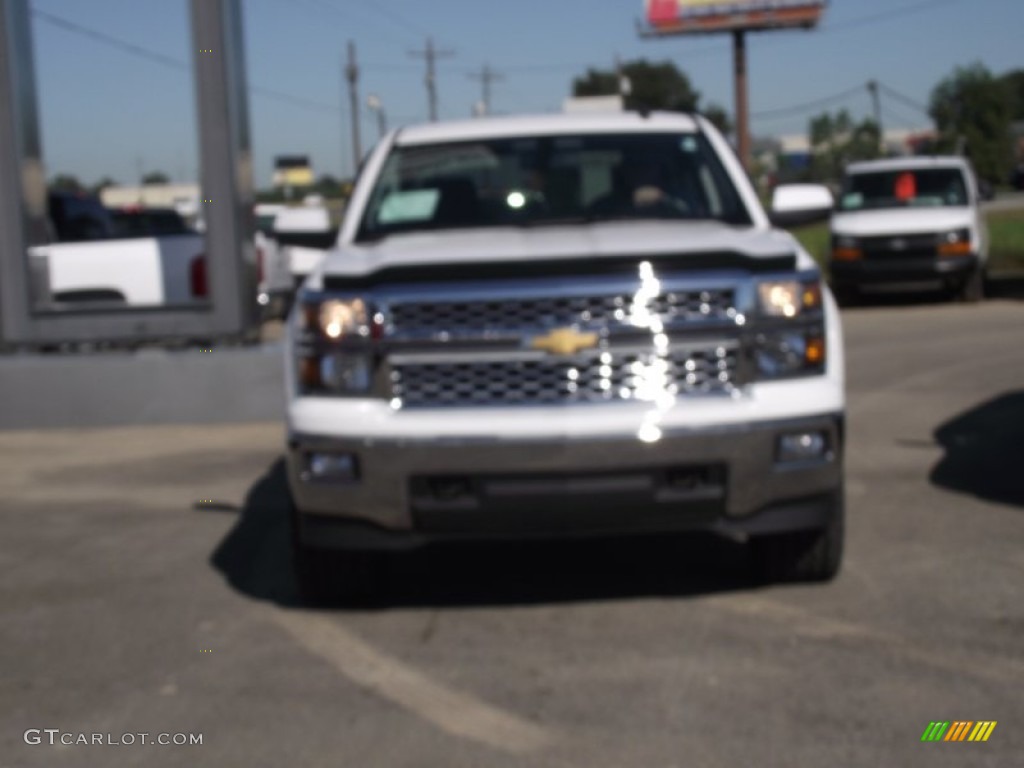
point(739, 55)
point(486, 76)
point(352, 75)
point(873, 89)
point(431, 54)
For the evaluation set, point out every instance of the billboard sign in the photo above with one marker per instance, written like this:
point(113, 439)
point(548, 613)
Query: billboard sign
point(696, 16)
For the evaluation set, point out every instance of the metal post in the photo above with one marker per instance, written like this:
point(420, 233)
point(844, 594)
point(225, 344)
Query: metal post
point(877, 104)
point(739, 49)
point(226, 158)
point(352, 75)
point(431, 54)
point(377, 107)
point(22, 179)
point(431, 81)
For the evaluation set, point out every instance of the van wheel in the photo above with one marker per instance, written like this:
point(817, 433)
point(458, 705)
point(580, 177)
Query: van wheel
point(335, 578)
point(806, 555)
point(973, 288)
point(846, 294)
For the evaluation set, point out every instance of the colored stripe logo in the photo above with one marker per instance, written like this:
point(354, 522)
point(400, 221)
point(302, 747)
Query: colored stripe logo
point(959, 730)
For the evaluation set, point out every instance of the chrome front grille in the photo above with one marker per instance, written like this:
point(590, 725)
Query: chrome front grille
point(593, 376)
point(605, 311)
point(915, 246)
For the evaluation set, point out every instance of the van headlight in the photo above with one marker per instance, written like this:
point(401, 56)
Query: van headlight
point(955, 243)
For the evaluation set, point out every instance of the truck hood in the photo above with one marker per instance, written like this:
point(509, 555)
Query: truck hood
point(902, 221)
point(574, 245)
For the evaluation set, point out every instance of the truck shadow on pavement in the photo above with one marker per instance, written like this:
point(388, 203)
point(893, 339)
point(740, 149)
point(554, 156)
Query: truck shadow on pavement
point(254, 557)
point(985, 451)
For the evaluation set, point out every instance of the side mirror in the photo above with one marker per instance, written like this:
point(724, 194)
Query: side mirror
point(796, 204)
point(308, 227)
point(986, 191)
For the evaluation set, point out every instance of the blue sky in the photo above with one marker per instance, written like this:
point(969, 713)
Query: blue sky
point(108, 112)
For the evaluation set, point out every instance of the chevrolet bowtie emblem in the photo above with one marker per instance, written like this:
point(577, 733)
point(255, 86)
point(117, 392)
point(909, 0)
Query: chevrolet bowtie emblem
point(564, 341)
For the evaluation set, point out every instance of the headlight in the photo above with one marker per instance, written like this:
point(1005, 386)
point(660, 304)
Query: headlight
point(338, 318)
point(790, 353)
point(346, 371)
point(846, 248)
point(334, 346)
point(955, 243)
point(789, 298)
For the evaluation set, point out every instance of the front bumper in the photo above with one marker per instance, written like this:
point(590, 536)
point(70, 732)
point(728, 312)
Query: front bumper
point(902, 269)
point(413, 491)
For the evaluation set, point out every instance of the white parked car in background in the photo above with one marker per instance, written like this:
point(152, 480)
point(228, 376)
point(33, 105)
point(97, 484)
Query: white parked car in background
point(276, 287)
point(304, 234)
point(909, 222)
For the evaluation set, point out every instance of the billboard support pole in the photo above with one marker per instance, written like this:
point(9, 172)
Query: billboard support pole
point(739, 56)
point(699, 17)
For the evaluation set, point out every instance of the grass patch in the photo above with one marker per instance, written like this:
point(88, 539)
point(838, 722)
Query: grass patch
point(815, 240)
point(1006, 247)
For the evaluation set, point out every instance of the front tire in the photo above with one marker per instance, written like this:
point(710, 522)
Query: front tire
point(804, 556)
point(330, 578)
point(973, 288)
point(846, 294)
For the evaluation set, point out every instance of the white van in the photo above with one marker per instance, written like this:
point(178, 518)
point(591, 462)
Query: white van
point(909, 222)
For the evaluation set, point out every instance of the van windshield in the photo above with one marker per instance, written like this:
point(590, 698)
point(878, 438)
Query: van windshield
point(538, 180)
point(902, 188)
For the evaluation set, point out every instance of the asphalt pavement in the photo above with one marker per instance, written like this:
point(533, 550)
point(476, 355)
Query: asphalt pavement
point(145, 588)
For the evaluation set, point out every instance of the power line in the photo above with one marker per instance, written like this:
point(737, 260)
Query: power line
point(167, 61)
point(344, 13)
point(905, 100)
point(886, 15)
point(807, 106)
point(298, 101)
point(383, 10)
point(114, 42)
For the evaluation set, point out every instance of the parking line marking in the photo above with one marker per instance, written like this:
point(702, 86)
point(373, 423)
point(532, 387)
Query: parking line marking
point(454, 712)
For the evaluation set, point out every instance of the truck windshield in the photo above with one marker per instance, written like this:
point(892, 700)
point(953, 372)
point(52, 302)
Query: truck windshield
point(902, 188)
point(538, 180)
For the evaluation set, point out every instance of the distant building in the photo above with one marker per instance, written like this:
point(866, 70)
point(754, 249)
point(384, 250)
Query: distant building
point(613, 103)
point(293, 171)
point(184, 198)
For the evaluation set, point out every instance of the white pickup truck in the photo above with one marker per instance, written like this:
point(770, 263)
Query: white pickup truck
point(565, 325)
point(118, 258)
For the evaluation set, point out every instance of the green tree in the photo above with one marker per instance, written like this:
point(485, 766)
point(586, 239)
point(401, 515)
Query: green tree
point(102, 184)
point(65, 182)
point(156, 177)
point(836, 140)
point(1013, 83)
point(719, 117)
point(652, 85)
point(972, 113)
point(329, 186)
